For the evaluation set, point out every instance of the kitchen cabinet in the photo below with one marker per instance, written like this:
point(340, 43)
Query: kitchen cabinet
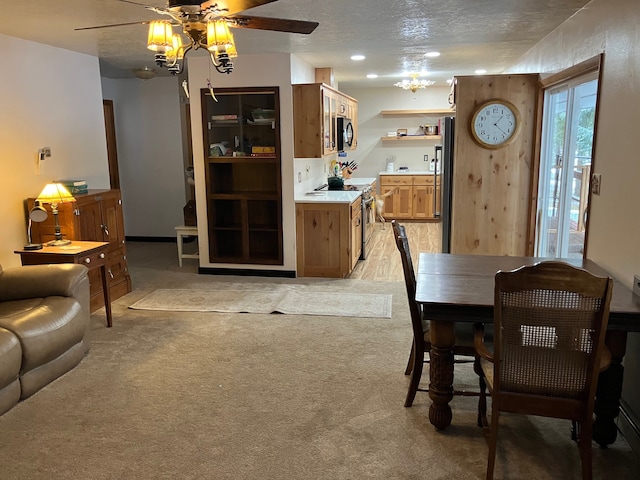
point(329, 238)
point(95, 216)
point(315, 109)
point(425, 202)
point(243, 175)
point(413, 198)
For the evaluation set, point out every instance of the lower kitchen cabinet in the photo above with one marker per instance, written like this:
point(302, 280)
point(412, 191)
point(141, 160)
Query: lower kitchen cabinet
point(97, 217)
point(413, 198)
point(329, 238)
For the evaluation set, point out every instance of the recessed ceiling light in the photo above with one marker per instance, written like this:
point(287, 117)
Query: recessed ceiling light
point(481, 71)
point(372, 75)
point(432, 54)
point(449, 81)
point(357, 57)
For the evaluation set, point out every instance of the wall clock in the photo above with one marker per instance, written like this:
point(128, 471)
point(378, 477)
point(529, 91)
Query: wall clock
point(495, 123)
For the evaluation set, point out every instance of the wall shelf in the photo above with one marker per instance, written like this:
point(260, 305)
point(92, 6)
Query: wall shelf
point(419, 112)
point(409, 138)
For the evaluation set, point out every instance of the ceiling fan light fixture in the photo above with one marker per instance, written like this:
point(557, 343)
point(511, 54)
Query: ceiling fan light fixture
point(144, 73)
point(160, 36)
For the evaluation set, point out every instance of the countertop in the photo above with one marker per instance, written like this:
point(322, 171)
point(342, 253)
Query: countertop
point(407, 172)
point(330, 196)
point(335, 196)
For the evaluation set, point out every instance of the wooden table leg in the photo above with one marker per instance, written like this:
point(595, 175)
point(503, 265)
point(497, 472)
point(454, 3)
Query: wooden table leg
point(441, 373)
point(607, 405)
point(107, 294)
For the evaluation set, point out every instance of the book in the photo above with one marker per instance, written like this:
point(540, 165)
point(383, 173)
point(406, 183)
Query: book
point(73, 183)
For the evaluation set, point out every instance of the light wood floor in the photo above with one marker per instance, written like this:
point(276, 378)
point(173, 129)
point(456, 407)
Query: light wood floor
point(383, 261)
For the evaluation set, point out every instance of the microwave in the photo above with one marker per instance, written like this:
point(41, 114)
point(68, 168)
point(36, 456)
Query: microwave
point(344, 134)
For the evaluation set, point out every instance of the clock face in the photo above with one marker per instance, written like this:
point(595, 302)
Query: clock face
point(495, 123)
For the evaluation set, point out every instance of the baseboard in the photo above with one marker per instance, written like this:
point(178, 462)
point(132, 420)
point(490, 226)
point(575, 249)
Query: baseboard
point(629, 429)
point(247, 272)
point(150, 239)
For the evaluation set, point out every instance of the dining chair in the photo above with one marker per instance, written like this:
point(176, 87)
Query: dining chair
point(550, 321)
point(420, 325)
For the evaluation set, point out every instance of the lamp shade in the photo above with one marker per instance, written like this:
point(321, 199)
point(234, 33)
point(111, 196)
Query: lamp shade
point(55, 193)
point(231, 48)
point(160, 36)
point(177, 52)
point(38, 213)
point(218, 35)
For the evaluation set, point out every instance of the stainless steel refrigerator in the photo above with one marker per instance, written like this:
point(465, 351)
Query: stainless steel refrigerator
point(444, 164)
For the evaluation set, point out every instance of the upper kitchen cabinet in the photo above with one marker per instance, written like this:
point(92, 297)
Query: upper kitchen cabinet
point(316, 107)
point(243, 175)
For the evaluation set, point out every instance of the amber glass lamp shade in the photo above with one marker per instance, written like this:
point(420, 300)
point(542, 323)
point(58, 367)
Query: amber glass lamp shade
point(177, 52)
point(218, 35)
point(160, 36)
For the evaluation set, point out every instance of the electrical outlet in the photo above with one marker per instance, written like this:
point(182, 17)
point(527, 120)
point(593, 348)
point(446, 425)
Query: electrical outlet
point(299, 177)
point(596, 181)
point(636, 284)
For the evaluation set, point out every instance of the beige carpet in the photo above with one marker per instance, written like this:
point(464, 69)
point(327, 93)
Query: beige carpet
point(288, 299)
point(226, 396)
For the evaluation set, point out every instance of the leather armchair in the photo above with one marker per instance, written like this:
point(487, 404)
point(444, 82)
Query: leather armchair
point(44, 318)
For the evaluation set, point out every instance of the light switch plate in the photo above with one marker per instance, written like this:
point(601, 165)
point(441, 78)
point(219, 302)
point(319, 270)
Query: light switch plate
point(636, 284)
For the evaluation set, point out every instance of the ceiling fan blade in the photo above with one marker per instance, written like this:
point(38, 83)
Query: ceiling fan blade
point(114, 25)
point(275, 24)
point(235, 6)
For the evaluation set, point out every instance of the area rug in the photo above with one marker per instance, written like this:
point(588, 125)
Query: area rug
point(269, 300)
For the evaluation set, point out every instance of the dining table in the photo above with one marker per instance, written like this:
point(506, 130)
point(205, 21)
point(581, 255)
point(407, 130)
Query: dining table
point(460, 288)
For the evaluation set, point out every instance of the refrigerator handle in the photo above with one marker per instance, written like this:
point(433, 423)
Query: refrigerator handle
point(436, 184)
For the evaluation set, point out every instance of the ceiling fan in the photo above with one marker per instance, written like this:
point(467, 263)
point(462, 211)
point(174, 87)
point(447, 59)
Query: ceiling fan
point(206, 25)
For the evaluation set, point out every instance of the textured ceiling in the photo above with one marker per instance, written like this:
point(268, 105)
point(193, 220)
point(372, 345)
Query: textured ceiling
point(392, 34)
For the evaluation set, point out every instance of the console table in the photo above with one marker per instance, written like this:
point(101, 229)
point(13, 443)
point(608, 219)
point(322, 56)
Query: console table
point(90, 254)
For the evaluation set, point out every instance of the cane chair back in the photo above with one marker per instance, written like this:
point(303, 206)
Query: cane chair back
point(550, 320)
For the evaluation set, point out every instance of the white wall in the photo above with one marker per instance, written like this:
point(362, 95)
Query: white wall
point(49, 97)
point(249, 71)
point(150, 153)
point(614, 233)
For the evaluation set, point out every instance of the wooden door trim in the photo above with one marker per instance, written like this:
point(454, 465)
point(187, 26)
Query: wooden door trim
point(112, 149)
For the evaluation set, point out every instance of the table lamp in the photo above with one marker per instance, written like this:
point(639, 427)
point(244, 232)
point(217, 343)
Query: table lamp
point(36, 214)
point(55, 193)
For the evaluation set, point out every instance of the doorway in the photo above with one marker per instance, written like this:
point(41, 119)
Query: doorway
point(112, 149)
point(565, 167)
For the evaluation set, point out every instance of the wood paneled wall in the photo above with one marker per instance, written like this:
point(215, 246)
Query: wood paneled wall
point(491, 188)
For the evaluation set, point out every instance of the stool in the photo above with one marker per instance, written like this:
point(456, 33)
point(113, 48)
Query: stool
point(181, 232)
